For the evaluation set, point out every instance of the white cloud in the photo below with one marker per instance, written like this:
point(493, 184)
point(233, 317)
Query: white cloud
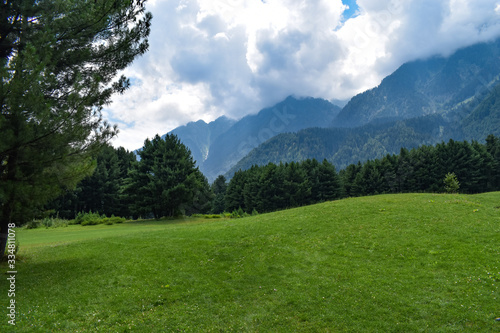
point(234, 57)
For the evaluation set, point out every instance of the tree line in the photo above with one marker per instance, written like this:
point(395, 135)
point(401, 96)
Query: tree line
point(476, 166)
point(165, 182)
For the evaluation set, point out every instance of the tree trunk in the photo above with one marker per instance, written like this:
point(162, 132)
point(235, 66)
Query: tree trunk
point(5, 217)
point(4, 234)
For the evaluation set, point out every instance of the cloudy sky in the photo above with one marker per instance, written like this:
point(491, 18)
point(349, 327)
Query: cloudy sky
point(209, 58)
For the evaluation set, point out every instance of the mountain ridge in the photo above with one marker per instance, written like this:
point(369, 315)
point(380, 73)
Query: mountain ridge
point(232, 144)
point(456, 97)
point(422, 87)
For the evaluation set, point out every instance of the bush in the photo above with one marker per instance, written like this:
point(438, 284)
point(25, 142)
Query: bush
point(118, 219)
point(451, 184)
point(89, 218)
point(239, 213)
point(112, 220)
point(33, 224)
point(48, 222)
point(213, 216)
point(95, 219)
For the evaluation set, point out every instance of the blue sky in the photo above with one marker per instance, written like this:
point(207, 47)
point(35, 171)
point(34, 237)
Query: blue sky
point(353, 9)
point(209, 58)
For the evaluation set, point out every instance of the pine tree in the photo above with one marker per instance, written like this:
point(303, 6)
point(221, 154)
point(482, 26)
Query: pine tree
point(58, 66)
point(329, 183)
point(271, 192)
point(219, 188)
point(165, 181)
point(234, 195)
point(295, 185)
point(251, 189)
point(348, 176)
point(493, 148)
point(451, 183)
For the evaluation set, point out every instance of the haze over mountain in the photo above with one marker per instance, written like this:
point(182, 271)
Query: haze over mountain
point(199, 136)
point(422, 102)
point(216, 149)
point(209, 58)
point(436, 85)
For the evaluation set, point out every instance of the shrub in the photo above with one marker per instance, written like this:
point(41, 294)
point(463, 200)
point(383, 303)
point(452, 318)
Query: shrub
point(238, 213)
point(89, 218)
point(33, 224)
point(48, 222)
point(451, 184)
point(107, 221)
point(213, 216)
point(118, 219)
point(113, 219)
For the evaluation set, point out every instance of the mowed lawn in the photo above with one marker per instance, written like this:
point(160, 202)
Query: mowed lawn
point(389, 263)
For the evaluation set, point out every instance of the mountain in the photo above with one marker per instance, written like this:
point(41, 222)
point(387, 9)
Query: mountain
point(199, 136)
point(216, 154)
point(484, 118)
point(436, 85)
point(344, 146)
point(423, 102)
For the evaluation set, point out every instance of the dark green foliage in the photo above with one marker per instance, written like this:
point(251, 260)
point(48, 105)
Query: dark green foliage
point(345, 146)
point(59, 61)
point(219, 188)
point(271, 192)
point(165, 182)
point(423, 170)
point(274, 187)
point(493, 148)
point(234, 194)
point(348, 176)
point(102, 191)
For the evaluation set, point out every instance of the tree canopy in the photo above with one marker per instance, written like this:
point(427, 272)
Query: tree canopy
point(59, 63)
point(165, 182)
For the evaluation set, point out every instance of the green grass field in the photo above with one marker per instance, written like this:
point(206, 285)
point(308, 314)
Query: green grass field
point(390, 263)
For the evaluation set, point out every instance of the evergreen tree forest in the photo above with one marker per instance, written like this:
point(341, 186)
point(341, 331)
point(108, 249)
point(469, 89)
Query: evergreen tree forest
point(165, 181)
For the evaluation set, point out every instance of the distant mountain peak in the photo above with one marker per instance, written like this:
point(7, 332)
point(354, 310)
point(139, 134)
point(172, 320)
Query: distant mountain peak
point(218, 145)
point(418, 88)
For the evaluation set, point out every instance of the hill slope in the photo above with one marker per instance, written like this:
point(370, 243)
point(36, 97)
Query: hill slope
point(374, 264)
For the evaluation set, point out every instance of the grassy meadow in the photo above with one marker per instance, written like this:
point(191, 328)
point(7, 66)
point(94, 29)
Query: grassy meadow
point(389, 263)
